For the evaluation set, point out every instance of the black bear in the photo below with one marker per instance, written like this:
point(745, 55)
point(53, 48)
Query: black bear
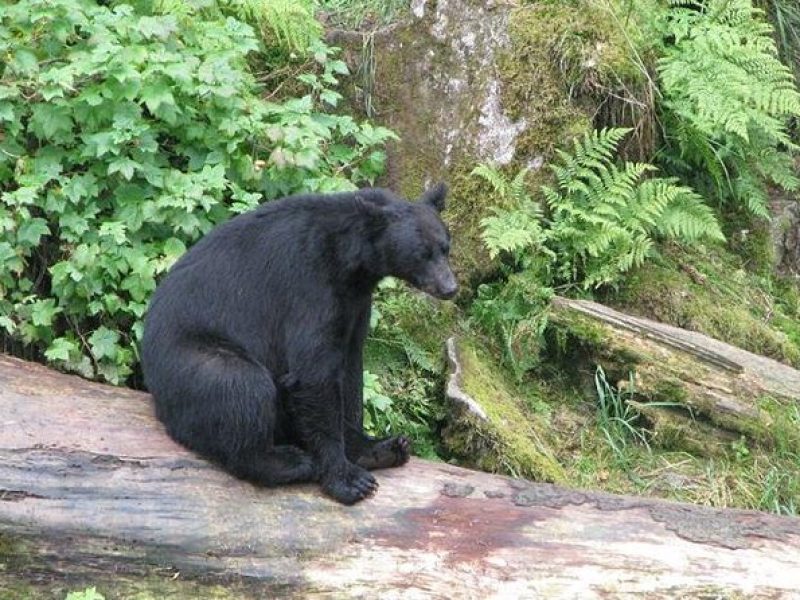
point(253, 341)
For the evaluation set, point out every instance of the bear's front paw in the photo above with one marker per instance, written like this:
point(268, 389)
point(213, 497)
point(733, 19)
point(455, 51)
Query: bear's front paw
point(401, 446)
point(386, 453)
point(352, 485)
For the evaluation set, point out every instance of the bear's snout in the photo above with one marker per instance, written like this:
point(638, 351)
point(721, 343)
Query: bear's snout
point(444, 285)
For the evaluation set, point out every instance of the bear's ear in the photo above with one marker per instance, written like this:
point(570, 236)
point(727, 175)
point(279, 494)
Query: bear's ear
point(435, 196)
point(370, 209)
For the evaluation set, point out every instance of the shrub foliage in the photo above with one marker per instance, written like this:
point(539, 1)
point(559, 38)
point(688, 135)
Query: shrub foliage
point(124, 136)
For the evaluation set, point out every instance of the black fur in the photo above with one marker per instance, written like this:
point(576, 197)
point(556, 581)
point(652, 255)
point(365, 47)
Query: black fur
point(253, 341)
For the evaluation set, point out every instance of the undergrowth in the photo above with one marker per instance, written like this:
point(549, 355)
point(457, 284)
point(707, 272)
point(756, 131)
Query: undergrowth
point(727, 99)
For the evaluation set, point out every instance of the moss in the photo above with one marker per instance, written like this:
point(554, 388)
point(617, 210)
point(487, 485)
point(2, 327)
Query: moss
point(513, 440)
point(561, 58)
point(572, 340)
point(710, 291)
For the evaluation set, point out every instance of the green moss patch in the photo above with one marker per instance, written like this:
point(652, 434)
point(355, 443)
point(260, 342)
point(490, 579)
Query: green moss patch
point(512, 439)
point(709, 290)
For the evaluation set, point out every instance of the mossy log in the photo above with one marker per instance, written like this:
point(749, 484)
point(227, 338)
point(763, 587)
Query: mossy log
point(94, 493)
point(489, 426)
point(692, 388)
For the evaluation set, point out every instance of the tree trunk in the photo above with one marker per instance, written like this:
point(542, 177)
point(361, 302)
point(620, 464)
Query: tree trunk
point(94, 493)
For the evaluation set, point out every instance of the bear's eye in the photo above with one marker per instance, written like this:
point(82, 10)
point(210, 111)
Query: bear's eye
point(427, 254)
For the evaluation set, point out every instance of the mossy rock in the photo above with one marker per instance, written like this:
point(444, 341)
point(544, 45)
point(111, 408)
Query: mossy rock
point(489, 425)
point(465, 82)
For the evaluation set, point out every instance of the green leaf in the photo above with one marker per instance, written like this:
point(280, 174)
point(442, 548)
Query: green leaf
point(339, 66)
point(49, 121)
point(114, 230)
point(157, 95)
point(103, 343)
point(31, 231)
point(24, 62)
point(330, 97)
point(7, 324)
point(43, 311)
point(174, 248)
point(99, 144)
point(6, 111)
point(124, 166)
point(61, 349)
point(160, 27)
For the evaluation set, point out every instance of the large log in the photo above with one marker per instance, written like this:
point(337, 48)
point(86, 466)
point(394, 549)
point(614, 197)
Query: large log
point(94, 493)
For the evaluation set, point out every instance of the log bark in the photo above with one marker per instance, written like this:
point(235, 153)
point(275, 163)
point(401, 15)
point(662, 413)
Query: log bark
point(92, 492)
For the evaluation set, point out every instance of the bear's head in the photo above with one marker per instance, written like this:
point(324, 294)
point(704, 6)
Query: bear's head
point(414, 243)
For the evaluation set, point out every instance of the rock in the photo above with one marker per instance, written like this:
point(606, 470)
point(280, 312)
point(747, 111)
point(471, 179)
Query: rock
point(784, 231)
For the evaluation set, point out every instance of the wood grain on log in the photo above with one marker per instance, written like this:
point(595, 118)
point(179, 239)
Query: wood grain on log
point(93, 491)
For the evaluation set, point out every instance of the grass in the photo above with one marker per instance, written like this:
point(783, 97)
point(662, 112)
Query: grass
point(617, 419)
point(361, 14)
point(615, 454)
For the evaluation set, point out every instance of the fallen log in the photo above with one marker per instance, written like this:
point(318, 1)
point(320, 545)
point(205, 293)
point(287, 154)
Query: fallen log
point(92, 492)
point(696, 391)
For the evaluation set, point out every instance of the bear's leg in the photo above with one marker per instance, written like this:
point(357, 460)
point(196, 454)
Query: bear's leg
point(279, 465)
point(317, 417)
point(224, 406)
point(366, 451)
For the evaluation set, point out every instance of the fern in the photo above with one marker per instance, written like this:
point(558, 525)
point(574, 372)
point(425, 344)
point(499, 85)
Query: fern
point(602, 219)
point(604, 216)
point(727, 99)
point(514, 225)
point(287, 23)
point(291, 22)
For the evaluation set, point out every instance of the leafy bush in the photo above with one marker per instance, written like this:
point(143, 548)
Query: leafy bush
point(515, 312)
point(125, 136)
point(405, 366)
point(726, 99)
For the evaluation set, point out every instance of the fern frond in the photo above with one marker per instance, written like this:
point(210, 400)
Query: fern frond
point(494, 178)
point(728, 96)
point(512, 230)
point(685, 216)
point(290, 22)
